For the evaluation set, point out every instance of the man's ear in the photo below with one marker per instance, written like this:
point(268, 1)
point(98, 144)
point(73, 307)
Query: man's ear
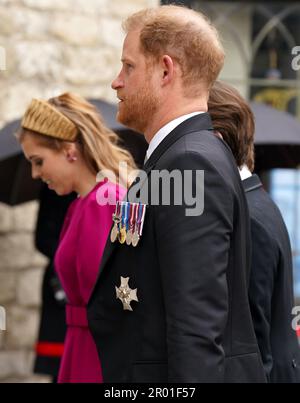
point(168, 69)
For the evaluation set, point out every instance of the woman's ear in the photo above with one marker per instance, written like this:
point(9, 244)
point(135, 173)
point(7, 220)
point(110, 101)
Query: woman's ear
point(70, 152)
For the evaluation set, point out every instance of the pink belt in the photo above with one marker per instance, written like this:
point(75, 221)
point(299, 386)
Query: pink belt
point(76, 316)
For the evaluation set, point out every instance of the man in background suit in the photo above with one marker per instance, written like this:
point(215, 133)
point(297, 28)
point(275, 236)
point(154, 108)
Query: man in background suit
point(175, 307)
point(271, 280)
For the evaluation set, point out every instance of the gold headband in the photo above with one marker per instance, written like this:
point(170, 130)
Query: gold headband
point(43, 118)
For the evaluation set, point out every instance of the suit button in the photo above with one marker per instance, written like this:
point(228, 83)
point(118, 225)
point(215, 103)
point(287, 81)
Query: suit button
point(294, 363)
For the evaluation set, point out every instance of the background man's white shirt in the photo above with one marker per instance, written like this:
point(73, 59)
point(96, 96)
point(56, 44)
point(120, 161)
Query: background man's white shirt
point(244, 172)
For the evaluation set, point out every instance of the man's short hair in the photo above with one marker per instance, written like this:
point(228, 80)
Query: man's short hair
point(185, 35)
point(233, 119)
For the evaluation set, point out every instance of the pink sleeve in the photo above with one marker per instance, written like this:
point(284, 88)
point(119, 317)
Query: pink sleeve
point(95, 228)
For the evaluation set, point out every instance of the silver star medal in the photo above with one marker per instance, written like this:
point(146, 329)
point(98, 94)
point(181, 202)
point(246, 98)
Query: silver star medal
point(125, 294)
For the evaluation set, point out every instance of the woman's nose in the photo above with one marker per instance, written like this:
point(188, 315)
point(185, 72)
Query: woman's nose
point(35, 173)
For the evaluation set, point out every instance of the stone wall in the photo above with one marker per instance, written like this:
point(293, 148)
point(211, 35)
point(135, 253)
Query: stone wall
point(20, 281)
point(51, 46)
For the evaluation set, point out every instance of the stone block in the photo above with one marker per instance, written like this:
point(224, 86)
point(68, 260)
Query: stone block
point(76, 30)
point(75, 6)
point(22, 328)
point(39, 59)
point(16, 94)
point(129, 7)
point(25, 217)
point(29, 288)
point(14, 364)
point(29, 379)
point(33, 24)
point(39, 260)
point(16, 251)
point(2, 339)
point(46, 5)
point(89, 66)
point(7, 287)
point(6, 221)
point(8, 25)
point(111, 33)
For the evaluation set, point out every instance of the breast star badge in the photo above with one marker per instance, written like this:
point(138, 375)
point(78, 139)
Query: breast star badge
point(125, 294)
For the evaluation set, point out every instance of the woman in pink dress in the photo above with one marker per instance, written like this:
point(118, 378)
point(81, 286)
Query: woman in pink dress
point(68, 145)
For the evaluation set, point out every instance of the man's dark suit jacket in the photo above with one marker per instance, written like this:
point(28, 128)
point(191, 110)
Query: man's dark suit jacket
point(271, 286)
point(192, 322)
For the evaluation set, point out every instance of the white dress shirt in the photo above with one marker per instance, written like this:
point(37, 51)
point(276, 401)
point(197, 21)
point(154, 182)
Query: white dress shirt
point(165, 130)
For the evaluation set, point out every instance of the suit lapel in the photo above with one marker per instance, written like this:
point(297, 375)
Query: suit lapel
point(251, 183)
point(111, 246)
point(196, 123)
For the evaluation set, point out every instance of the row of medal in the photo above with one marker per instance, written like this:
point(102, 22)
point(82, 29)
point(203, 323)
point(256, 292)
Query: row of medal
point(128, 221)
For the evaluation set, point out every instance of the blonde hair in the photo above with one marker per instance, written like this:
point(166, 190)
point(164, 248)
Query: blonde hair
point(185, 35)
point(98, 144)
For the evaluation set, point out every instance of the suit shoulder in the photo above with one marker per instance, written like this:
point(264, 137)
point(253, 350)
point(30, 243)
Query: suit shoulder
point(265, 214)
point(205, 145)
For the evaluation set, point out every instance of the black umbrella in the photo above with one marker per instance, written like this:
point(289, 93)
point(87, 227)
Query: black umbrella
point(16, 184)
point(277, 138)
point(274, 127)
